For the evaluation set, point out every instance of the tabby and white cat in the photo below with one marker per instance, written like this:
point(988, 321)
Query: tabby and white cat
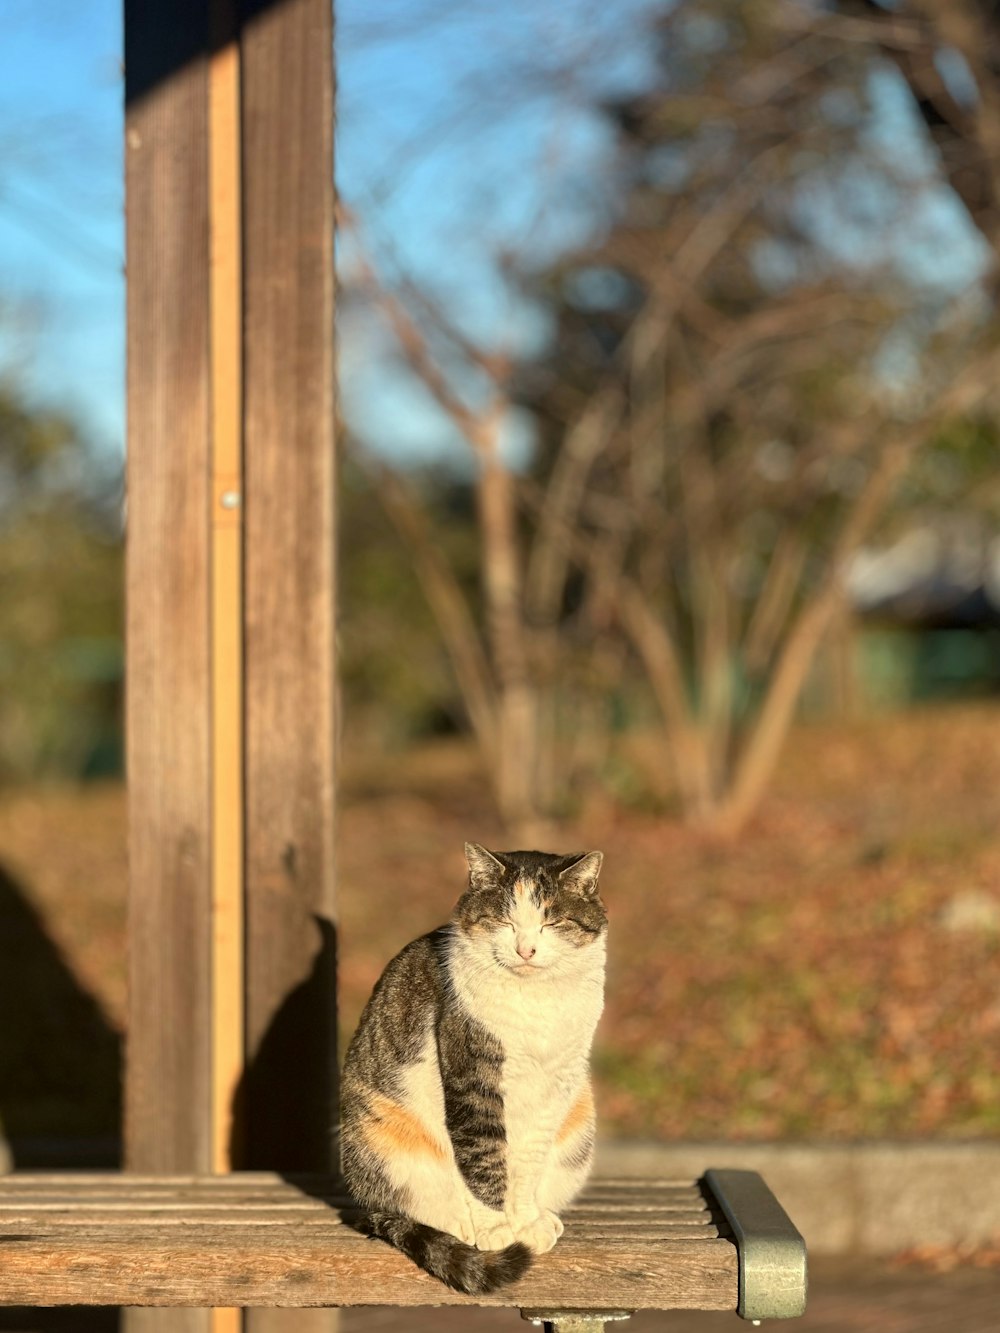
point(467, 1115)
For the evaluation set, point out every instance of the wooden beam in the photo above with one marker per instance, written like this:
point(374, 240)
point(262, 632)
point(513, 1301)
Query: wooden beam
point(232, 1055)
point(225, 232)
point(289, 1105)
point(225, 247)
point(168, 1092)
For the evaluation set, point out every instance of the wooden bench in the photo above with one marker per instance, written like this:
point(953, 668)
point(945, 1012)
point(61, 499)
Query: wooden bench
point(258, 1239)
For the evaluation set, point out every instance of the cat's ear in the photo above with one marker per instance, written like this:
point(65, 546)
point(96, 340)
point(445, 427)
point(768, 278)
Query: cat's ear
point(483, 865)
point(580, 876)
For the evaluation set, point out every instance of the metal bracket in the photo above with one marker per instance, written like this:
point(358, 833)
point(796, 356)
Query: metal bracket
point(772, 1254)
point(574, 1321)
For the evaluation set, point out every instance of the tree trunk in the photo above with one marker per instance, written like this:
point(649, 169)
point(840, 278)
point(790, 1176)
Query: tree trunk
point(517, 774)
point(756, 764)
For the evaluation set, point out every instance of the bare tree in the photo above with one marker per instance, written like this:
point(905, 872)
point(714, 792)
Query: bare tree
point(948, 51)
point(493, 664)
point(718, 434)
point(749, 444)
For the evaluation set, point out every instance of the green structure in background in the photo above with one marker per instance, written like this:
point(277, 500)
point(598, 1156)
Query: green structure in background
point(898, 666)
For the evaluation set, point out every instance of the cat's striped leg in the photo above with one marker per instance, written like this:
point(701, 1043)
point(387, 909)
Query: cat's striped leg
point(471, 1062)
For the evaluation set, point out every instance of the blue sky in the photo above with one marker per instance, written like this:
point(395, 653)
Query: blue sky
point(441, 124)
point(61, 284)
point(460, 137)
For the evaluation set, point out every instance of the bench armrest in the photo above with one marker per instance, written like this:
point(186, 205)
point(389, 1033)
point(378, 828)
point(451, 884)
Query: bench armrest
point(772, 1254)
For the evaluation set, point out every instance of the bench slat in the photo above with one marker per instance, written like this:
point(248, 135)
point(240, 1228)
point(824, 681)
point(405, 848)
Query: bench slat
point(235, 1202)
point(271, 1183)
point(67, 1219)
point(198, 1268)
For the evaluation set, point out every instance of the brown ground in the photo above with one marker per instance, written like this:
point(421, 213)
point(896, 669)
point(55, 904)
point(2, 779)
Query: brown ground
point(833, 974)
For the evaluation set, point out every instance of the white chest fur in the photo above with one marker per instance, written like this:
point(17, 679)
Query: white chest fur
point(546, 1016)
point(545, 1022)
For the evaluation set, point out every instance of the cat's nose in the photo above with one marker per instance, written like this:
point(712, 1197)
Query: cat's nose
point(526, 951)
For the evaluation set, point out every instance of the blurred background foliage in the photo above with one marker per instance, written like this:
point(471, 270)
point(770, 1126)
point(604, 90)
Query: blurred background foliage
point(676, 513)
point(761, 434)
point(767, 359)
point(61, 602)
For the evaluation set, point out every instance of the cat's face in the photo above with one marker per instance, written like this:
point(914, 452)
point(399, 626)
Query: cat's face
point(531, 912)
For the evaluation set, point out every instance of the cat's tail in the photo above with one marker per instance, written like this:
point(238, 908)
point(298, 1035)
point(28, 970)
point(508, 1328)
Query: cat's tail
point(458, 1265)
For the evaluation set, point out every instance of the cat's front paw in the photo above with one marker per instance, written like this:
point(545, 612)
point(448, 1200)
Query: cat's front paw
point(463, 1228)
point(540, 1232)
point(495, 1236)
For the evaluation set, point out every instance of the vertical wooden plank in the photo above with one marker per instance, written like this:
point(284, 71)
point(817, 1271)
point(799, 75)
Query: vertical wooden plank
point(168, 1085)
point(226, 305)
point(168, 1106)
point(225, 247)
point(289, 1088)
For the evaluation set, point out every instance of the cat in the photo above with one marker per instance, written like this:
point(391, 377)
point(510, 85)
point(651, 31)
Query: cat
point(467, 1115)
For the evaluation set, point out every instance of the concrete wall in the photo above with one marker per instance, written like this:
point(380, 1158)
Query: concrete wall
point(867, 1198)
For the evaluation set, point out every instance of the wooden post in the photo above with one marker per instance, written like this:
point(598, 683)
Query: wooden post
point(231, 688)
point(225, 218)
point(290, 696)
point(168, 1092)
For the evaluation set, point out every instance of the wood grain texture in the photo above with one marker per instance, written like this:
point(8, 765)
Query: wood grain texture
point(167, 1123)
point(254, 1241)
point(289, 1094)
point(225, 262)
point(269, 1188)
point(168, 1085)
